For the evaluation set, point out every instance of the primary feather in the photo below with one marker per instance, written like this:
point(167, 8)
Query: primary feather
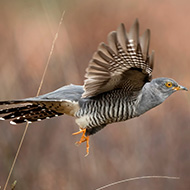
point(122, 62)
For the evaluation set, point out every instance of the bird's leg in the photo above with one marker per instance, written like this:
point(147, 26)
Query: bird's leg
point(84, 138)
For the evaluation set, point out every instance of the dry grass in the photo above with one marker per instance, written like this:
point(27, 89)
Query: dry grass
point(153, 144)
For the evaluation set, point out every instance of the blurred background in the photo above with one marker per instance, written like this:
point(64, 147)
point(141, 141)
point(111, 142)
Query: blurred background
point(157, 143)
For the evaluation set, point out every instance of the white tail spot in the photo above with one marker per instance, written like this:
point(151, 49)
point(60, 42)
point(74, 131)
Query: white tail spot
point(12, 122)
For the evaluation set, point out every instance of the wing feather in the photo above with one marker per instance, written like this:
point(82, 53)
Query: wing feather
point(151, 63)
point(134, 34)
point(112, 41)
point(123, 63)
point(122, 37)
point(144, 42)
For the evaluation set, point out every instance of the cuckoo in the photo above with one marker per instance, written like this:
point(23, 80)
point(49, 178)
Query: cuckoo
point(118, 87)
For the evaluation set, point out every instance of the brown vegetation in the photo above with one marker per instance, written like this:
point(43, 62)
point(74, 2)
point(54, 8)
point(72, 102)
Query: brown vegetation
point(156, 143)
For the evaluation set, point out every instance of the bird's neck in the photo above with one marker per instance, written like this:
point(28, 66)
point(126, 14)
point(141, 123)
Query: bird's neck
point(148, 99)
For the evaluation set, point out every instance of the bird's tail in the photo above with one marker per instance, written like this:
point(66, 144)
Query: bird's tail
point(19, 111)
point(61, 101)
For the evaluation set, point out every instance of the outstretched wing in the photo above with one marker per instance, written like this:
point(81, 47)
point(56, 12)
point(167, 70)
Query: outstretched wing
point(123, 63)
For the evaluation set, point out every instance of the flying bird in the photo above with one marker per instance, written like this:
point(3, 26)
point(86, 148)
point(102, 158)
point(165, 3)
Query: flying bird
point(118, 87)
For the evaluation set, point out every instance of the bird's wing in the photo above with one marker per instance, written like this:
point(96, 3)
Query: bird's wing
point(123, 63)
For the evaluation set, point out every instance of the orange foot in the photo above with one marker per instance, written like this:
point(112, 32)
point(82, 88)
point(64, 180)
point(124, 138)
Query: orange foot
point(84, 138)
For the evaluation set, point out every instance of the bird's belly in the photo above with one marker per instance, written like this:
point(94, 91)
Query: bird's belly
point(83, 121)
point(95, 113)
point(90, 121)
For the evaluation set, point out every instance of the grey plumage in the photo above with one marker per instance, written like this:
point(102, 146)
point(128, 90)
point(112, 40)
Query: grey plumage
point(118, 87)
point(56, 103)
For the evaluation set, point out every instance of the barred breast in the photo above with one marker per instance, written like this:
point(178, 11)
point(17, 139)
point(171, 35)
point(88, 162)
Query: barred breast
point(96, 112)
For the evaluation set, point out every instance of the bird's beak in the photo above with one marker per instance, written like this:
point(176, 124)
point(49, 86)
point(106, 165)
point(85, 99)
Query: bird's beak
point(179, 87)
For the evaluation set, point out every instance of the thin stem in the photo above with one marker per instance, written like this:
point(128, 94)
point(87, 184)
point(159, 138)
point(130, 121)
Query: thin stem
point(136, 178)
point(38, 92)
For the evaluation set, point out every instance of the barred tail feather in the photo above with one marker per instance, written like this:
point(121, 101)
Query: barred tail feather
point(20, 111)
point(61, 101)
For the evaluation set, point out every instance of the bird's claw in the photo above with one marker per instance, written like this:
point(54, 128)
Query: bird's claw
point(84, 138)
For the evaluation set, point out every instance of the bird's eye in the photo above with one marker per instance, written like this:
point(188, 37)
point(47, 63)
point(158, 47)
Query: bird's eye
point(168, 84)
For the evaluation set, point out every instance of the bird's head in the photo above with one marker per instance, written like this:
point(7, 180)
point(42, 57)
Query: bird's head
point(155, 92)
point(166, 86)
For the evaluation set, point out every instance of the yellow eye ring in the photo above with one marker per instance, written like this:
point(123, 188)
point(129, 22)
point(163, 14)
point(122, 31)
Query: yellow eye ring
point(168, 84)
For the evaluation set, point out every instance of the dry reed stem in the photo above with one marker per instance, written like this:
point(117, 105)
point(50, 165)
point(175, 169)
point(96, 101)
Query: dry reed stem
point(136, 178)
point(38, 92)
